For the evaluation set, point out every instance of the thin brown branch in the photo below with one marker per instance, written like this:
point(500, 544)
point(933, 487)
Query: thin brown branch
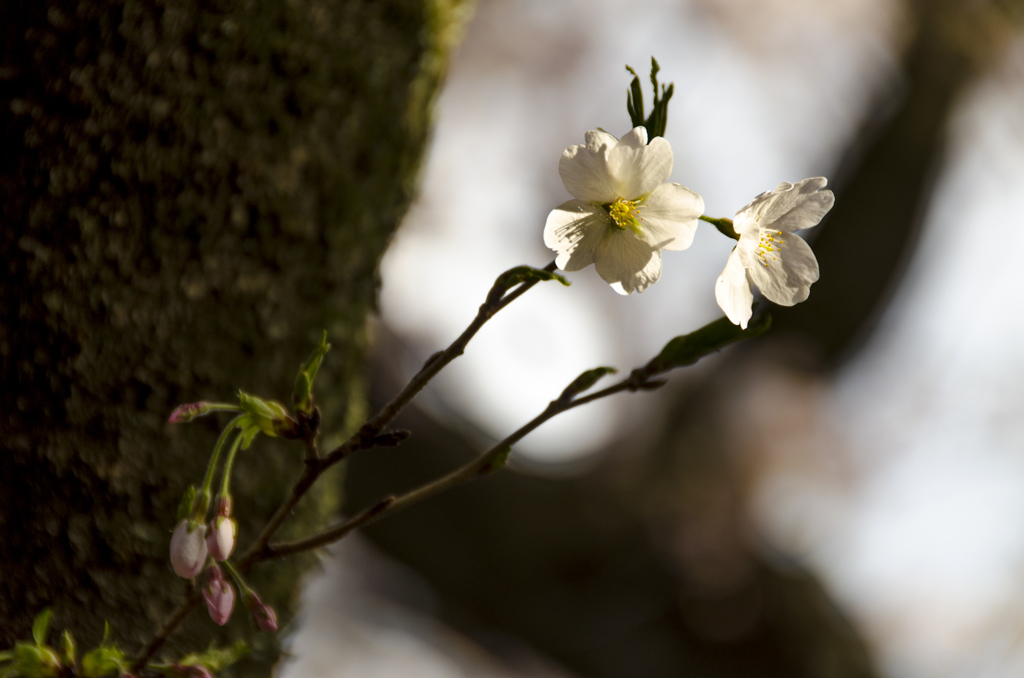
point(436, 363)
point(487, 463)
point(167, 628)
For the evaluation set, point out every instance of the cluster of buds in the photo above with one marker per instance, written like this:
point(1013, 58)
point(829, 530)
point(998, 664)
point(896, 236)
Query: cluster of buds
point(194, 539)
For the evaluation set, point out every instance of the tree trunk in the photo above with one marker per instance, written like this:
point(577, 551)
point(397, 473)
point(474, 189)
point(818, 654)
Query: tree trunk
point(191, 191)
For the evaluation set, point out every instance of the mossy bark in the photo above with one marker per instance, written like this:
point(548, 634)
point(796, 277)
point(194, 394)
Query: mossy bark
point(191, 191)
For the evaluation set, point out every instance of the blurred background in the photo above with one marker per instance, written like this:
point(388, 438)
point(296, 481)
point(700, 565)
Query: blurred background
point(840, 498)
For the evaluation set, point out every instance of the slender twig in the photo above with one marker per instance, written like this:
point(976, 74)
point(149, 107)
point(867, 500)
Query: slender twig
point(434, 364)
point(487, 463)
point(167, 628)
point(368, 436)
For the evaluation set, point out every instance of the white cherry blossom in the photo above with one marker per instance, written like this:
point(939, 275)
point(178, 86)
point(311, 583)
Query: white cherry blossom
point(623, 213)
point(769, 254)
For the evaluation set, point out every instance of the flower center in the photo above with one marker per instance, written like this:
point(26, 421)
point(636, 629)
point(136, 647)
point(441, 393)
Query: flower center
point(768, 246)
point(624, 214)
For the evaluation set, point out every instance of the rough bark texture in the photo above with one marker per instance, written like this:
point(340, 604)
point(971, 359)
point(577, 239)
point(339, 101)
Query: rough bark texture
point(191, 191)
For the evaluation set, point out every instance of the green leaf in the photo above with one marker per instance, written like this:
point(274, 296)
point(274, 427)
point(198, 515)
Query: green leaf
point(31, 661)
point(584, 382)
point(302, 391)
point(656, 121)
point(41, 627)
point(302, 395)
point(517, 275)
point(67, 642)
point(103, 660)
point(6, 656)
point(214, 658)
point(635, 100)
point(689, 348)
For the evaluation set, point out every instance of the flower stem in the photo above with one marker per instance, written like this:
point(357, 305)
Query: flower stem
point(228, 464)
point(203, 497)
point(723, 225)
point(222, 407)
point(243, 588)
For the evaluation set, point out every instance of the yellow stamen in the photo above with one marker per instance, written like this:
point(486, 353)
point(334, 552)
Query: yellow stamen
point(768, 244)
point(624, 214)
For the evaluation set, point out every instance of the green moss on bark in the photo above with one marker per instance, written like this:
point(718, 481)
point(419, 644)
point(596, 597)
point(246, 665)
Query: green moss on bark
point(190, 192)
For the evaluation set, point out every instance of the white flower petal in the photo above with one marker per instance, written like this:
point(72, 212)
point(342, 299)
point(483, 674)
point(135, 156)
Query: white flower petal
point(627, 262)
point(575, 230)
point(792, 207)
point(596, 140)
point(669, 217)
point(733, 291)
point(584, 169)
point(746, 227)
point(637, 168)
point(787, 278)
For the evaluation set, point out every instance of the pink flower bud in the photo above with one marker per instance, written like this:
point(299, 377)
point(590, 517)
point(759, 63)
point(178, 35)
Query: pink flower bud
point(188, 550)
point(263, 616)
point(188, 412)
point(221, 539)
point(219, 596)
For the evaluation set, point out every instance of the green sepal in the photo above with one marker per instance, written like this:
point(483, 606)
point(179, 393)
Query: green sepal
point(518, 275)
point(248, 435)
point(302, 397)
point(214, 658)
point(689, 348)
point(724, 226)
point(185, 505)
point(41, 627)
point(269, 415)
point(584, 382)
point(654, 123)
point(67, 643)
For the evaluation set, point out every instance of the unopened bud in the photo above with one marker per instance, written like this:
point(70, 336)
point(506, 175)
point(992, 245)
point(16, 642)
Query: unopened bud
point(188, 549)
point(262, 615)
point(187, 412)
point(221, 539)
point(219, 596)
